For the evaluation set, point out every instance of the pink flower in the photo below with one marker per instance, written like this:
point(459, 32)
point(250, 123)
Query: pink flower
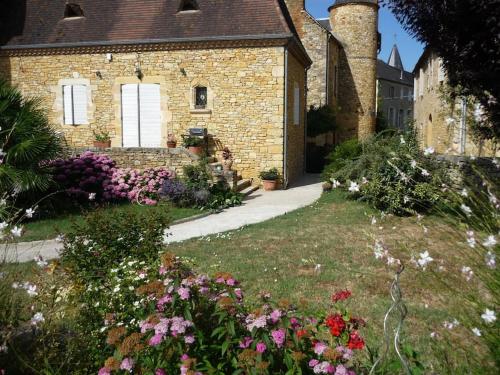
point(156, 339)
point(183, 293)
point(189, 339)
point(160, 371)
point(275, 316)
point(184, 357)
point(261, 347)
point(127, 364)
point(313, 362)
point(278, 337)
point(247, 341)
point(104, 371)
point(163, 301)
point(320, 347)
point(231, 282)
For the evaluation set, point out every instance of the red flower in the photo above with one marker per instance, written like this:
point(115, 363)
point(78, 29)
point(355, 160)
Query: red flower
point(336, 324)
point(341, 296)
point(355, 341)
point(301, 332)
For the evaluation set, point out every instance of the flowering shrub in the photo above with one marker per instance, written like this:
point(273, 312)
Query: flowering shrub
point(162, 318)
point(85, 175)
point(391, 173)
point(134, 185)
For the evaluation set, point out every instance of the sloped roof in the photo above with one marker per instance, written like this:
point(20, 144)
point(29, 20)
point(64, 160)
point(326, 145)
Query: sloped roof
point(41, 22)
point(390, 73)
point(325, 22)
point(395, 59)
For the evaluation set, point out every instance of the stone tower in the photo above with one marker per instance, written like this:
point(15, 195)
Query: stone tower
point(355, 24)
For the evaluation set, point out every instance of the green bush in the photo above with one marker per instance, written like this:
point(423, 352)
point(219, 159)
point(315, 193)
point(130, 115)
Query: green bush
point(270, 175)
point(390, 172)
point(27, 141)
point(105, 238)
point(320, 121)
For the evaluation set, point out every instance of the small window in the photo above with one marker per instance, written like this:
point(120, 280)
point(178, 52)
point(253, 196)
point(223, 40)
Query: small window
point(200, 101)
point(75, 104)
point(73, 11)
point(391, 116)
point(188, 5)
point(296, 105)
point(391, 92)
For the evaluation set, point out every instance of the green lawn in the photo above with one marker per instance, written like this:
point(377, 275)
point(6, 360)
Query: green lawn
point(49, 228)
point(278, 256)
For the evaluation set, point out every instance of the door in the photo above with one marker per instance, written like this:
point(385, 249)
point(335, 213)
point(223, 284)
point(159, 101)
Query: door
point(141, 115)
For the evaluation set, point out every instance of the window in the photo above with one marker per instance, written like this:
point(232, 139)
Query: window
point(404, 92)
point(75, 104)
point(391, 116)
point(408, 115)
point(421, 83)
point(391, 92)
point(141, 115)
point(296, 104)
point(200, 97)
point(188, 5)
point(401, 119)
point(73, 11)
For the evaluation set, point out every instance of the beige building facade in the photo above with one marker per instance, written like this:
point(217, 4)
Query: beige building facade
point(440, 124)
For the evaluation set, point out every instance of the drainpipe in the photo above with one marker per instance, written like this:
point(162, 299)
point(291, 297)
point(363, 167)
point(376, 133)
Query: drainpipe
point(463, 126)
point(305, 120)
point(327, 75)
point(285, 123)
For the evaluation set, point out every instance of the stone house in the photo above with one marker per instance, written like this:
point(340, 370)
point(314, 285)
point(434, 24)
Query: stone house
point(394, 91)
point(440, 125)
point(238, 68)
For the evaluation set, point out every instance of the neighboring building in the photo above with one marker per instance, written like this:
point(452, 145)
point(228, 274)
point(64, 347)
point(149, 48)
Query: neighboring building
point(143, 70)
point(439, 125)
point(395, 91)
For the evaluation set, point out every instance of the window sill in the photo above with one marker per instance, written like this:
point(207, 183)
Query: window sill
point(200, 111)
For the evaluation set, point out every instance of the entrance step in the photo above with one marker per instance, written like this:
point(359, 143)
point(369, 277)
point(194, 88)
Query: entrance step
point(249, 190)
point(243, 184)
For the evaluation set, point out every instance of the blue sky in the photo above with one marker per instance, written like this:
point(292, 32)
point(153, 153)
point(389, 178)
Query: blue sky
point(409, 48)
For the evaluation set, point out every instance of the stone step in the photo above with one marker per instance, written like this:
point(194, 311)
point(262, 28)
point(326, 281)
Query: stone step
point(249, 190)
point(243, 184)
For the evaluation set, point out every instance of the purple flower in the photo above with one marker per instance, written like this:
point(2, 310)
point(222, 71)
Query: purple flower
point(261, 347)
point(156, 339)
point(189, 339)
point(127, 364)
point(313, 362)
point(275, 316)
point(278, 336)
point(320, 347)
point(183, 293)
point(247, 341)
point(160, 371)
point(104, 371)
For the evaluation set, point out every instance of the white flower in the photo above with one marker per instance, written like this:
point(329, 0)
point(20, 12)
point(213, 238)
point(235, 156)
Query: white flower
point(37, 318)
point(429, 151)
point(466, 209)
point(413, 164)
point(424, 259)
point(467, 272)
point(406, 199)
point(40, 261)
point(3, 226)
point(490, 242)
point(489, 316)
point(17, 231)
point(464, 193)
point(374, 220)
point(354, 187)
point(476, 331)
point(491, 260)
point(3, 348)
point(31, 290)
point(30, 212)
point(15, 285)
point(60, 238)
point(335, 183)
point(433, 335)
point(425, 172)
point(402, 140)
point(364, 181)
point(379, 250)
point(91, 196)
point(451, 325)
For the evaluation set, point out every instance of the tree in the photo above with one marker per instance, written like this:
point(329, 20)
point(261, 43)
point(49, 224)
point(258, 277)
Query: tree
point(27, 142)
point(466, 35)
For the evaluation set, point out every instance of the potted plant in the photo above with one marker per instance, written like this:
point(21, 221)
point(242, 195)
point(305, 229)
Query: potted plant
point(171, 141)
point(102, 139)
point(270, 179)
point(194, 144)
point(227, 159)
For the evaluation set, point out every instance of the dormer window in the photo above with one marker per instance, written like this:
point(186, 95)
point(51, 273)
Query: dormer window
point(73, 11)
point(188, 5)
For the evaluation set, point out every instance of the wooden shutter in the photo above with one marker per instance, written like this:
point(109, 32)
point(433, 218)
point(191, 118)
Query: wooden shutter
point(150, 115)
point(130, 115)
point(80, 104)
point(296, 105)
point(68, 105)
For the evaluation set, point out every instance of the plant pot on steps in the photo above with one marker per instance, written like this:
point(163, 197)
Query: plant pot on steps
point(171, 144)
point(269, 185)
point(197, 150)
point(102, 144)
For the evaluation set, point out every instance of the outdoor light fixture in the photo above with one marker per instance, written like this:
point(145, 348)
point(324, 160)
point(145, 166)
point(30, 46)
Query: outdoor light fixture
point(109, 57)
point(183, 71)
point(138, 71)
point(98, 74)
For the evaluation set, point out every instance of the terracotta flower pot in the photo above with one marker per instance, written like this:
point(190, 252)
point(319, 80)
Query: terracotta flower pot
point(269, 185)
point(227, 164)
point(197, 150)
point(171, 144)
point(103, 144)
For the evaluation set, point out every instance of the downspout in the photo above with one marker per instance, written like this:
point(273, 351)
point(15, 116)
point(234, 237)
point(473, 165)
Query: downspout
point(463, 126)
point(327, 75)
point(285, 123)
point(305, 120)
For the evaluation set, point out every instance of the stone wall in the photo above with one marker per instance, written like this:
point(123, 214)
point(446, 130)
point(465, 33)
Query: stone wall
point(356, 25)
point(143, 158)
point(245, 95)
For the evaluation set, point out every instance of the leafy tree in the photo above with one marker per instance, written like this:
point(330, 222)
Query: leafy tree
point(320, 121)
point(26, 142)
point(465, 34)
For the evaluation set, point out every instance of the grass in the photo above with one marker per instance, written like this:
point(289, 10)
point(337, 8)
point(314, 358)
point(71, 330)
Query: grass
point(49, 228)
point(279, 256)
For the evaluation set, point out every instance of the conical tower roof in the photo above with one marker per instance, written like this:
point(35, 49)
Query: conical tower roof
point(395, 59)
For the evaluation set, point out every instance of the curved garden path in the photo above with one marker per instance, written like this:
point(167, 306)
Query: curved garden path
point(258, 207)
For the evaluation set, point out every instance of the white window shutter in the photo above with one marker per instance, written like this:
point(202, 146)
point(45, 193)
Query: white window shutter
point(150, 115)
point(80, 104)
point(68, 105)
point(296, 105)
point(130, 115)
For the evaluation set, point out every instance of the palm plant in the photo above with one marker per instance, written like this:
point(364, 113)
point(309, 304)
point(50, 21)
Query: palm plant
point(27, 142)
